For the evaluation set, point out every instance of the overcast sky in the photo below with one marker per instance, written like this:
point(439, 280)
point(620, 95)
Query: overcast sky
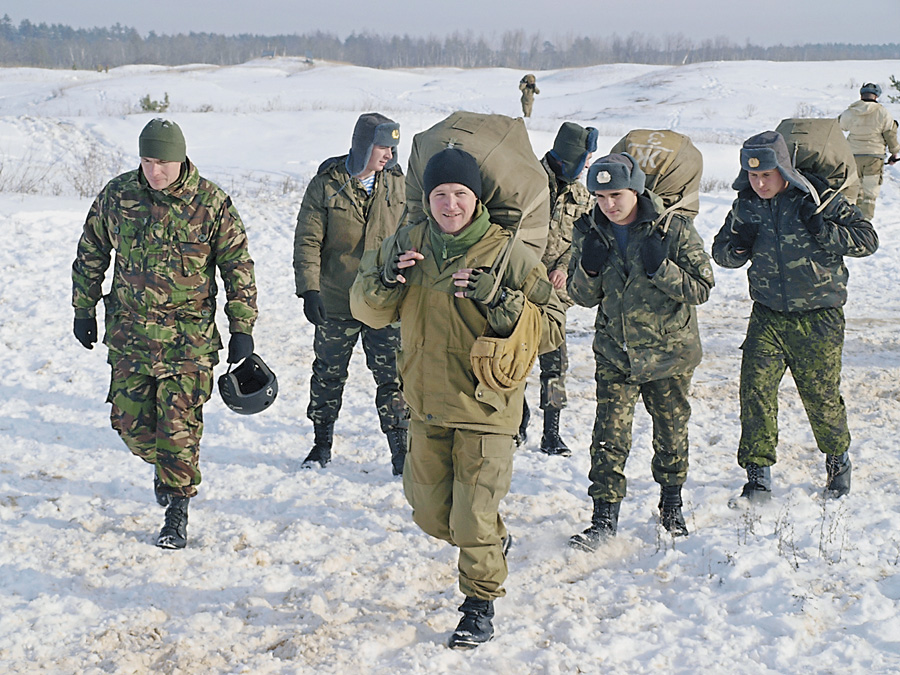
point(762, 22)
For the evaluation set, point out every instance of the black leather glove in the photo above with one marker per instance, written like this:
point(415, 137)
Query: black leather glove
point(479, 287)
point(654, 251)
point(240, 346)
point(594, 253)
point(86, 332)
point(313, 308)
point(815, 222)
point(743, 234)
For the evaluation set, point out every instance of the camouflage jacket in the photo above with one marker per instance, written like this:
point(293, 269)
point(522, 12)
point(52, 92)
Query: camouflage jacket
point(568, 202)
point(870, 129)
point(337, 222)
point(790, 269)
point(161, 308)
point(646, 327)
point(438, 329)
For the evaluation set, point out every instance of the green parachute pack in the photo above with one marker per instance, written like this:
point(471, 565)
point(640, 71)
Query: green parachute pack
point(819, 146)
point(514, 186)
point(673, 167)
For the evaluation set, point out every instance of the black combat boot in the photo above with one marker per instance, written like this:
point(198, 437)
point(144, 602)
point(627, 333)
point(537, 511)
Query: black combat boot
point(162, 497)
point(838, 468)
point(670, 510)
point(522, 435)
point(396, 437)
point(551, 443)
point(604, 523)
point(758, 487)
point(475, 627)
point(321, 450)
point(174, 532)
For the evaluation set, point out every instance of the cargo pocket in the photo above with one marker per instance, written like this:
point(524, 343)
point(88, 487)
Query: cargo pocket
point(495, 474)
point(194, 257)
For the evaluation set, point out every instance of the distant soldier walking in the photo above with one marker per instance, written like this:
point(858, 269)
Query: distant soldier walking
point(352, 204)
point(528, 87)
point(170, 229)
point(870, 130)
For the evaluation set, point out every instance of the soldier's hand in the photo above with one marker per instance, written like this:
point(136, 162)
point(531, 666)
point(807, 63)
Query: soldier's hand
point(86, 331)
point(654, 251)
point(594, 253)
point(743, 235)
point(240, 346)
point(313, 308)
point(391, 273)
point(557, 278)
point(893, 159)
point(478, 285)
point(815, 222)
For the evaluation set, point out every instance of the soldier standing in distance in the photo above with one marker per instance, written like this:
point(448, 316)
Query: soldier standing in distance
point(170, 229)
point(569, 200)
point(352, 204)
point(798, 284)
point(645, 283)
point(528, 87)
point(870, 131)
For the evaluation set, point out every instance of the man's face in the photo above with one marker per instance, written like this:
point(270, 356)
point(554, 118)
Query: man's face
point(381, 155)
point(620, 206)
point(767, 184)
point(452, 206)
point(158, 173)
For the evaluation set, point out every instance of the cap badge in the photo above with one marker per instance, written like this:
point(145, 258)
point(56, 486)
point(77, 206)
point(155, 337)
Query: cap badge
point(753, 162)
point(603, 177)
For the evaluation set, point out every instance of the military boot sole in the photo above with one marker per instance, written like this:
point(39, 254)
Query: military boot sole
point(466, 641)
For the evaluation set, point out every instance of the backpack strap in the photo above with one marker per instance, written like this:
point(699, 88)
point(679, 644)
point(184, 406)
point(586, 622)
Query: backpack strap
point(669, 212)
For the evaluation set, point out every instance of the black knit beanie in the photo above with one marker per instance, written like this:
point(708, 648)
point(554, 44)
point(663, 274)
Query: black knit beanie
point(452, 165)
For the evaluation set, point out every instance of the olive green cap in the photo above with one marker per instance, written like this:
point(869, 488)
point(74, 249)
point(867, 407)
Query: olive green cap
point(162, 139)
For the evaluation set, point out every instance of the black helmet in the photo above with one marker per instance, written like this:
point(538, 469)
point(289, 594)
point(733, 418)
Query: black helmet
point(250, 388)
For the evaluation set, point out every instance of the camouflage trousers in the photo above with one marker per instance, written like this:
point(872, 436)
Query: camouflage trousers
point(666, 401)
point(810, 344)
point(333, 346)
point(454, 480)
point(553, 378)
point(160, 419)
point(871, 176)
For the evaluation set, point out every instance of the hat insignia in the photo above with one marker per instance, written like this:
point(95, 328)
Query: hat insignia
point(753, 162)
point(395, 134)
point(603, 177)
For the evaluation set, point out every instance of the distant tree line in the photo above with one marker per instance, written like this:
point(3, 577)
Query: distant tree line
point(59, 46)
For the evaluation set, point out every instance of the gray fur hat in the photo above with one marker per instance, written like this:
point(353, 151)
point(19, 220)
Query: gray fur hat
point(765, 152)
point(570, 149)
point(372, 129)
point(162, 139)
point(619, 171)
point(870, 88)
point(451, 165)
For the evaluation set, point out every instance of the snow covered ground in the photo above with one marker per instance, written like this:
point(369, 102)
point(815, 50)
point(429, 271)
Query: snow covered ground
point(293, 571)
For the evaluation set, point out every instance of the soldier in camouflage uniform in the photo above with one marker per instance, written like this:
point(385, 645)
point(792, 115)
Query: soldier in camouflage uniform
point(352, 204)
point(798, 283)
point(528, 87)
point(170, 229)
point(569, 200)
point(645, 277)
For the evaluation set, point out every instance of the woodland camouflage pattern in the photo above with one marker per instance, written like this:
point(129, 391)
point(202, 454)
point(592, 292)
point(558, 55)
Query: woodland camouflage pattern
point(333, 346)
point(790, 269)
point(647, 342)
point(811, 344)
point(160, 312)
point(161, 421)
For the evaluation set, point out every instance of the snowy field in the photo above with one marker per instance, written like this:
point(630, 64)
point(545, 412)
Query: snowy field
point(323, 571)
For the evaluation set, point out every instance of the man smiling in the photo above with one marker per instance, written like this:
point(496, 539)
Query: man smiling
point(439, 278)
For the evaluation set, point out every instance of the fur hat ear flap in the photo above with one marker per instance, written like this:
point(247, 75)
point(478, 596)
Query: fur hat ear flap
point(571, 148)
point(372, 129)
